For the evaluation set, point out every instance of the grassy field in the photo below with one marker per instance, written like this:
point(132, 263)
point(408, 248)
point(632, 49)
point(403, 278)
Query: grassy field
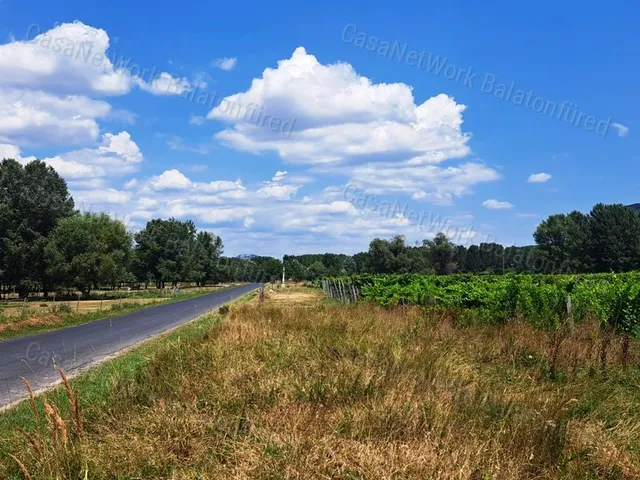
point(298, 387)
point(17, 318)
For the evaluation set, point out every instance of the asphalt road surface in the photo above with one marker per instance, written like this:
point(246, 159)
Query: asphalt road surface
point(36, 356)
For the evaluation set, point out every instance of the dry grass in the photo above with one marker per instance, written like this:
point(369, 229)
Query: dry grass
point(82, 307)
point(293, 296)
point(281, 390)
point(44, 321)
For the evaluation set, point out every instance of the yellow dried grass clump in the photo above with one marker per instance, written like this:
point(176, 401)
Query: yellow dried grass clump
point(49, 450)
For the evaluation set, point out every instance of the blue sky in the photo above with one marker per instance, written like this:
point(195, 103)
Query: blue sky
point(333, 140)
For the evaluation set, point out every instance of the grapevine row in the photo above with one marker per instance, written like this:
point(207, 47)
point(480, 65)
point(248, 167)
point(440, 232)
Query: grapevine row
point(545, 301)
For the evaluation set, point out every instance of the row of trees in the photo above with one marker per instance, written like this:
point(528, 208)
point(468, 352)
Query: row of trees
point(46, 245)
point(439, 256)
point(605, 240)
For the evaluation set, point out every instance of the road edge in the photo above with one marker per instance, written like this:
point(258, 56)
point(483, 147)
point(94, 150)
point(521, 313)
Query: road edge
point(87, 368)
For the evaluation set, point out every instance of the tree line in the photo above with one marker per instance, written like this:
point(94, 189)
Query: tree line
point(46, 245)
point(432, 256)
point(607, 239)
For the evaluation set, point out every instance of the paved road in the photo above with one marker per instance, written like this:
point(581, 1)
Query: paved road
point(35, 356)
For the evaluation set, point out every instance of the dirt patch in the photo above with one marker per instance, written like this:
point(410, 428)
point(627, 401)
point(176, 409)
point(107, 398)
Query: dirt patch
point(293, 296)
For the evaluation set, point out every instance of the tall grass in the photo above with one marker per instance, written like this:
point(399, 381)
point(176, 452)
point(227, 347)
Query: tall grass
point(54, 449)
point(334, 391)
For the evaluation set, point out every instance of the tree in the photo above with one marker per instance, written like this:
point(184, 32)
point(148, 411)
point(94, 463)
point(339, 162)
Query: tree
point(294, 269)
point(362, 262)
point(614, 238)
point(383, 254)
point(332, 263)
point(86, 251)
point(459, 257)
point(472, 260)
point(33, 198)
point(491, 257)
point(350, 267)
point(238, 269)
point(270, 269)
point(207, 249)
point(164, 251)
point(316, 270)
point(441, 251)
point(563, 241)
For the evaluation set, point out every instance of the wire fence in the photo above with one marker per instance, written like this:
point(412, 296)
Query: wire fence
point(341, 289)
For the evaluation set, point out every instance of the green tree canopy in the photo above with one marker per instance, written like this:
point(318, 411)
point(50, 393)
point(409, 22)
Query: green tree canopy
point(316, 270)
point(563, 241)
point(88, 250)
point(441, 251)
point(294, 269)
point(207, 250)
point(164, 250)
point(33, 198)
point(614, 238)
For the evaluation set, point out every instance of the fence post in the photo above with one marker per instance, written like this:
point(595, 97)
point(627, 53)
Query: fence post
point(570, 320)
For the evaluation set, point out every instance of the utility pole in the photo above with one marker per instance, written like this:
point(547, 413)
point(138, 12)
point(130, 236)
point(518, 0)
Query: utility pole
point(283, 271)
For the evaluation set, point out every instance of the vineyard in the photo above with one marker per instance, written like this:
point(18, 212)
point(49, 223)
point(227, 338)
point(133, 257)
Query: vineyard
point(549, 302)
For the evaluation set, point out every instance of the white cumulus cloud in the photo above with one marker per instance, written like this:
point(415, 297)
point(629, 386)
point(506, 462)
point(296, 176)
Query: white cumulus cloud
point(12, 151)
point(336, 115)
point(539, 177)
point(170, 179)
point(343, 123)
point(118, 154)
point(423, 182)
point(279, 187)
point(36, 118)
point(166, 84)
point(46, 84)
point(496, 205)
point(74, 58)
point(225, 63)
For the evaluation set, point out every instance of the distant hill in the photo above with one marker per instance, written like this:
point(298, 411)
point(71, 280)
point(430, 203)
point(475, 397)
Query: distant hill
point(635, 206)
